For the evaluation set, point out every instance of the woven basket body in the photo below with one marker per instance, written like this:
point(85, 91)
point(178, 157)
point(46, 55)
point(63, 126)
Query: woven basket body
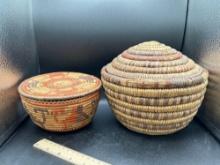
point(61, 101)
point(154, 89)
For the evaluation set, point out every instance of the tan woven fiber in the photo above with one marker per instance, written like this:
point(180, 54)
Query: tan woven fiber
point(160, 70)
point(57, 103)
point(153, 88)
point(155, 82)
point(153, 101)
point(171, 108)
point(151, 64)
point(155, 122)
point(153, 115)
point(67, 107)
point(168, 57)
point(151, 48)
point(71, 127)
point(155, 93)
point(154, 131)
point(51, 112)
point(153, 126)
point(61, 117)
point(130, 75)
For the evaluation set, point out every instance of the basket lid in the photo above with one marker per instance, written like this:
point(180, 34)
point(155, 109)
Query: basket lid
point(59, 86)
point(153, 65)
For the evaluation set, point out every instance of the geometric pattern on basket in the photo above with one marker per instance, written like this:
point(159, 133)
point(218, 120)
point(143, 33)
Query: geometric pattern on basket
point(65, 117)
point(153, 88)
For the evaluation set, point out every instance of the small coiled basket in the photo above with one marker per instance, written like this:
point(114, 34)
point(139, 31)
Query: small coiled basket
point(153, 88)
point(61, 101)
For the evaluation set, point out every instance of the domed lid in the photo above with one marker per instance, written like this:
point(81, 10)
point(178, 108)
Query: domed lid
point(153, 65)
point(59, 86)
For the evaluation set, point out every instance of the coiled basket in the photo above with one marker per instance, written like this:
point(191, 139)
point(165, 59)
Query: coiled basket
point(60, 101)
point(153, 88)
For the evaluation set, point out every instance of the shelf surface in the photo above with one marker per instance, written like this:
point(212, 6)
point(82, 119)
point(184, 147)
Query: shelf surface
point(106, 139)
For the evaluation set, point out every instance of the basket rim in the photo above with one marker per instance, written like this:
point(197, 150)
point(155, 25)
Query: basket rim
point(61, 102)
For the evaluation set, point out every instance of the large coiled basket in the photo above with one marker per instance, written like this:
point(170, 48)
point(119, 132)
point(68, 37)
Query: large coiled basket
point(153, 88)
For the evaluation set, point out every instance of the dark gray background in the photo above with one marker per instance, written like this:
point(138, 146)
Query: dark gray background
point(84, 35)
point(18, 60)
point(202, 43)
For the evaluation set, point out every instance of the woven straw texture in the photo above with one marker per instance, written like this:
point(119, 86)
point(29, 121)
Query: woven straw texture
point(52, 105)
point(154, 89)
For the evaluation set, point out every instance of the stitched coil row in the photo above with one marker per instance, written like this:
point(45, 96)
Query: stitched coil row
point(63, 115)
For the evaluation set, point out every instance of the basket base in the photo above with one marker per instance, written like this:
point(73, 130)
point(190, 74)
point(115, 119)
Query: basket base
point(74, 127)
point(153, 132)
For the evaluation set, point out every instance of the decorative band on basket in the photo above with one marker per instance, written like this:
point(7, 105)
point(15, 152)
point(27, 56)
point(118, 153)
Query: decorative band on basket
point(161, 109)
point(157, 70)
point(58, 103)
point(169, 57)
point(155, 93)
point(153, 131)
point(129, 75)
point(169, 82)
point(155, 101)
point(155, 122)
point(151, 64)
point(153, 115)
point(66, 127)
point(153, 127)
point(53, 109)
